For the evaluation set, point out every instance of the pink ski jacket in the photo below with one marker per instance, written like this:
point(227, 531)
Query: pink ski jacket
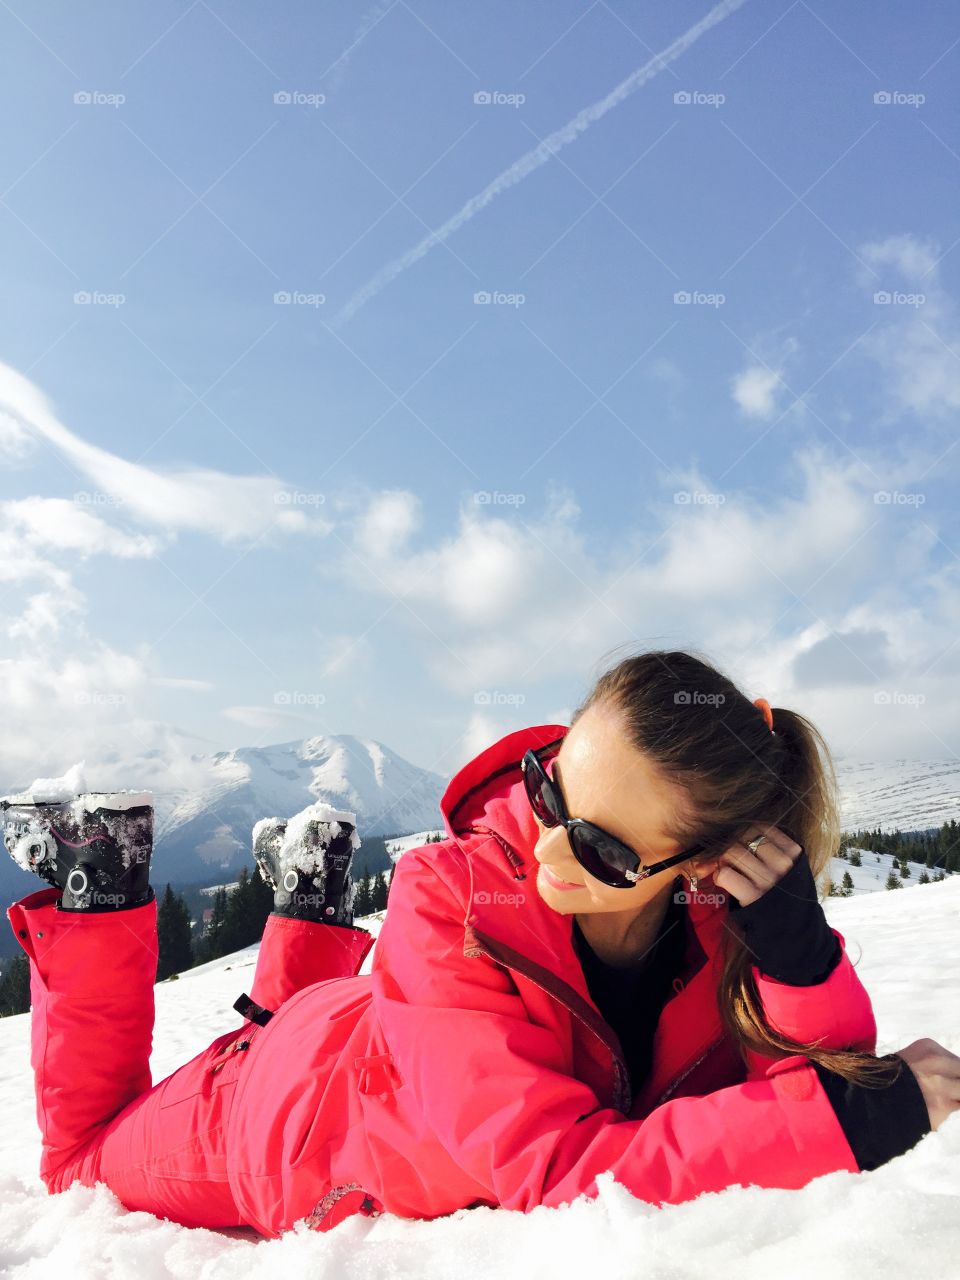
point(472, 1067)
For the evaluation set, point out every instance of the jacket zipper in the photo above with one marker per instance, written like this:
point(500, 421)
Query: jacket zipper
point(622, 1088)
point(683, 1074)
point(244, 1037)
point(622, 1092)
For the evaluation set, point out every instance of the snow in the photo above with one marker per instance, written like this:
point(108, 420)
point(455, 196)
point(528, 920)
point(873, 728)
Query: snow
point(296, 852)
point(901, 1219)
point(65, 787)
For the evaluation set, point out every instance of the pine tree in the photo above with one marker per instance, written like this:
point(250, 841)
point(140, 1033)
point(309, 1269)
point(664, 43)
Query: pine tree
point(847, 884)
point(924, 878)
point(15, 985)
point(361, 904)
point(378, 892)
point(210, 945)
point(893, 881)
point(247, 909)
point(173, 935)
point(904, 869)
point(855, 860)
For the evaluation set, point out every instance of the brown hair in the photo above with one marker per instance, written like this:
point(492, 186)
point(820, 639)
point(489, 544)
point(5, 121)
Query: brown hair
point(709, 738)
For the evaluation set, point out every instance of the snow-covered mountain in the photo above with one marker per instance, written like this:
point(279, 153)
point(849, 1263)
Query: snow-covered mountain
point(904, 1218)
point(209, 828)
point(909, 794)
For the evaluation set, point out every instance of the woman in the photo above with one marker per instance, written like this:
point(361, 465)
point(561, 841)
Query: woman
point(546, 1000)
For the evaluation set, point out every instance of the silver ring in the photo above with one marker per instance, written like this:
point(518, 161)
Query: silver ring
point(754, 845)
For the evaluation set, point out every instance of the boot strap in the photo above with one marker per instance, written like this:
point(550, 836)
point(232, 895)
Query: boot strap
point(255, 1012)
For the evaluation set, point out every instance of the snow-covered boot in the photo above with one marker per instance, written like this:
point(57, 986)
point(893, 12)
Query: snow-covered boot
point(95, 846)
point(307, 861)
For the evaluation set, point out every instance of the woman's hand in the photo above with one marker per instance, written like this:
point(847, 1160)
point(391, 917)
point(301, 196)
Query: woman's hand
point(774, 908)
point(746, 876)
point(938, 1074)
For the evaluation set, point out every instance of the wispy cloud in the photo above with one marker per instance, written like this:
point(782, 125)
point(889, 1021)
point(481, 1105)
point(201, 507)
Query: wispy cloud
point(226, 507)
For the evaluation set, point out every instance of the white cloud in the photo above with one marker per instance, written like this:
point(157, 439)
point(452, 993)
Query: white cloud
point(15, 443)
point(755, 391)
point(511, 599)
point(915, 345)
point(226, 507)
point(84, 706)
point(182, 682)
point(63, 525)
point(262, 717)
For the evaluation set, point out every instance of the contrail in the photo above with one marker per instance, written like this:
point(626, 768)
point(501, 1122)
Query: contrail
point(539, 155)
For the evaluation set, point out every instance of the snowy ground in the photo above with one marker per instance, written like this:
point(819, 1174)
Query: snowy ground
point(901, 1219)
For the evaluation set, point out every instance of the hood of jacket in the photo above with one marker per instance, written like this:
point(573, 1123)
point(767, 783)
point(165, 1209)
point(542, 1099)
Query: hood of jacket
point(486, 811)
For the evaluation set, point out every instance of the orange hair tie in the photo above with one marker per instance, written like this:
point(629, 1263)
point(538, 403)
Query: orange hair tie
point(767, 710)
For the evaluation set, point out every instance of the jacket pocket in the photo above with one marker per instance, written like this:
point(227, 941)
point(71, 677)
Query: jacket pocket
point(377, 1073)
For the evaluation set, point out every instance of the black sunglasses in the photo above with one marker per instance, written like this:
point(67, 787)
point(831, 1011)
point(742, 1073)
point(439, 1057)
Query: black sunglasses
point(606, 858)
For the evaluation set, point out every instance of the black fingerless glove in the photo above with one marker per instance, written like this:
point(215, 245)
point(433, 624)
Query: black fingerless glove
point(786, 930)
point(879, 1124)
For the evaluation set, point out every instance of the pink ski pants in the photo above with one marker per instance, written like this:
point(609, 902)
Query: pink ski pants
point(159, 1148)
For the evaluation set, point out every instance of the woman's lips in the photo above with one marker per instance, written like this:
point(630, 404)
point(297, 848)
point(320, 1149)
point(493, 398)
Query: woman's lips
point(555, 881)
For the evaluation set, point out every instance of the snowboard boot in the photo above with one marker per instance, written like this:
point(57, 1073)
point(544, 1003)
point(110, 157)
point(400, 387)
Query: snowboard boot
point(307, 861)
point(95, 847)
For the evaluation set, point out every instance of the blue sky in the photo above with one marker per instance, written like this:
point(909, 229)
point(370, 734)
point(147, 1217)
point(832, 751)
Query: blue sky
point(385, 507)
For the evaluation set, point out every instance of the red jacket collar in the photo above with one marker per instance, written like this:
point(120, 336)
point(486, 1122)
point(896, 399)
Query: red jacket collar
point(485, 809)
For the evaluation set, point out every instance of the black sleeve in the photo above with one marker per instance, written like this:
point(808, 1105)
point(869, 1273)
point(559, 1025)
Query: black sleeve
point(879, 1124)
point(786, 930)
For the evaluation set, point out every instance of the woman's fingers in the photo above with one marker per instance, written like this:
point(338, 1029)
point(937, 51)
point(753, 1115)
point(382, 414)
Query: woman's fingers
point(747, 874)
